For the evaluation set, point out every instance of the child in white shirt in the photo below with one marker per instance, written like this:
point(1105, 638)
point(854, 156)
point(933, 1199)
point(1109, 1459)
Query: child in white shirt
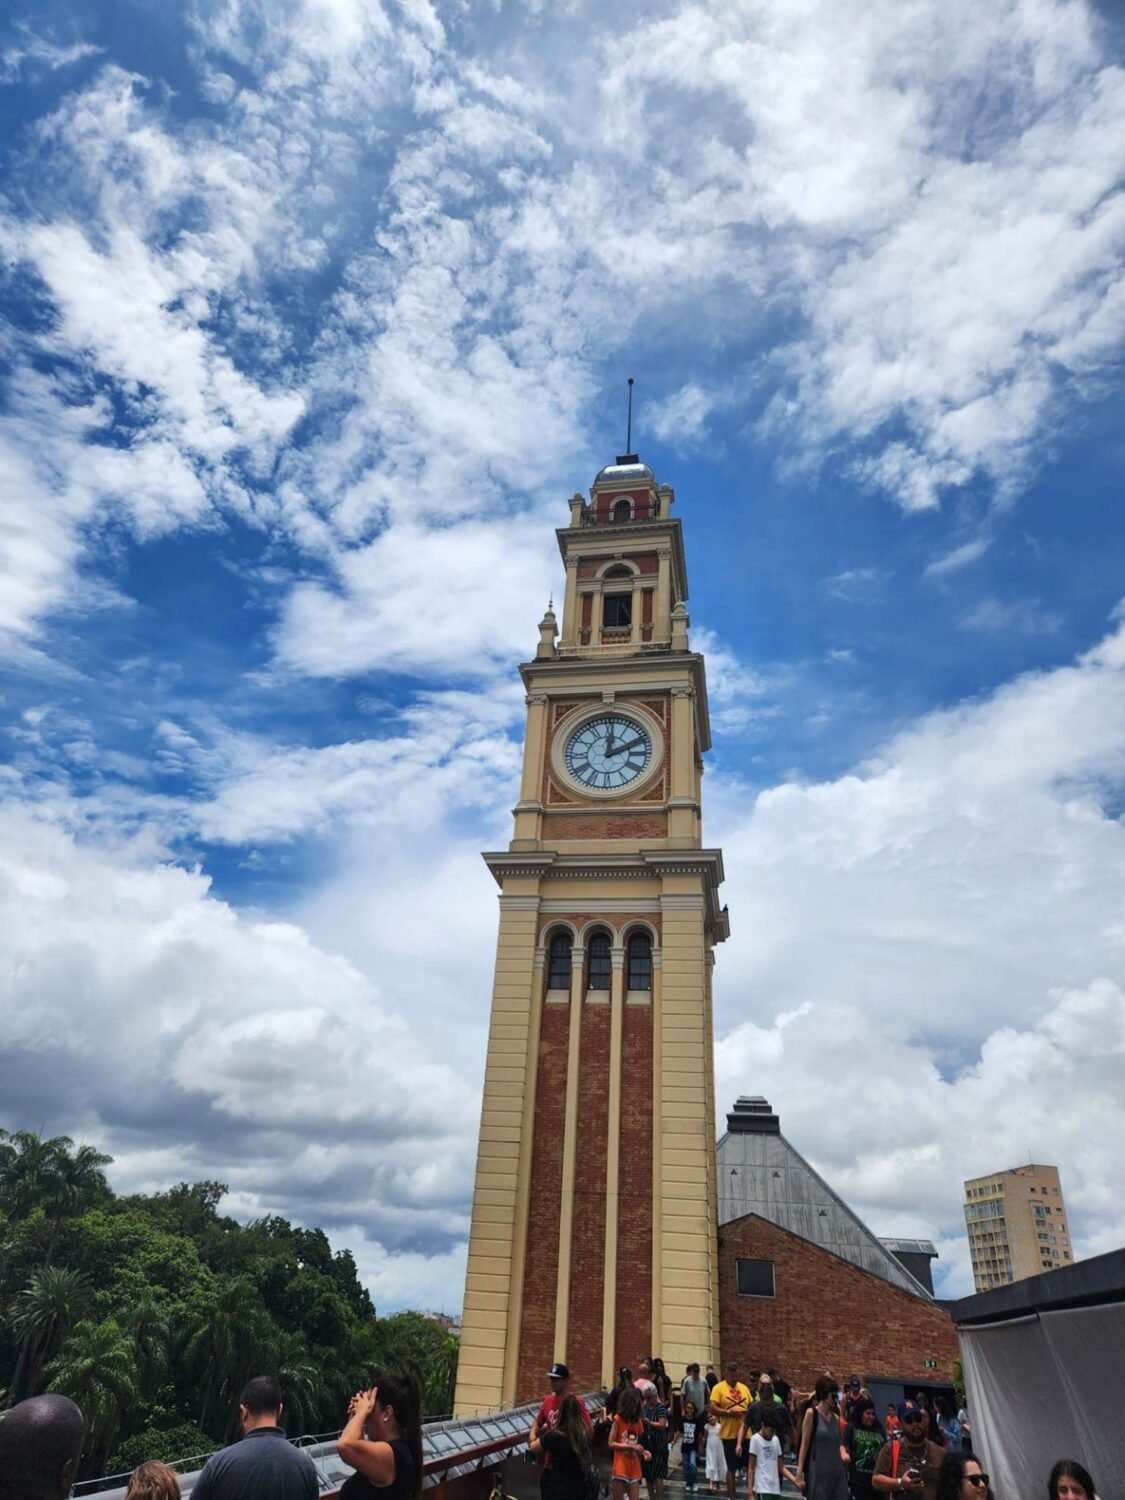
point(766, 1468)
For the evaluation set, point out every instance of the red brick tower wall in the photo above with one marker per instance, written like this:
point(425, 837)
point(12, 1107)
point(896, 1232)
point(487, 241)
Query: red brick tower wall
point(634, 1213)
point(587, 1255)
point(537, 1327)
point(827, 1314)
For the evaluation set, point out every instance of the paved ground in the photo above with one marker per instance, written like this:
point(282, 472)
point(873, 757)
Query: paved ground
point(675, 1489)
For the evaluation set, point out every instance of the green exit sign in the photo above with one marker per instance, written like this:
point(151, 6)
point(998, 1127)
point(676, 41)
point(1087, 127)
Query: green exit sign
point(929, 1364)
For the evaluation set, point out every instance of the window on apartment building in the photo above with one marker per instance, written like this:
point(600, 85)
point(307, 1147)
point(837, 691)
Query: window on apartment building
point(754, 1278)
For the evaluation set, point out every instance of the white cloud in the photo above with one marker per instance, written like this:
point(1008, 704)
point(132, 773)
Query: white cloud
point(680, 419)
point(33, 54)
point(1019, 616)
point(447, 750)
point(960, 557)
point(857, 585)
point(943, 923)
point(222, 1045)
point(424, 599)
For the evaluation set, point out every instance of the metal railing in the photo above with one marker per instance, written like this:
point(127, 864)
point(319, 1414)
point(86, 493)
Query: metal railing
point(450, 1449)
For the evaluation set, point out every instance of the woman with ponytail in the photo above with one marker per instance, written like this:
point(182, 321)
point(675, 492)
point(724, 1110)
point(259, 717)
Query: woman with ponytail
point(383, 1441)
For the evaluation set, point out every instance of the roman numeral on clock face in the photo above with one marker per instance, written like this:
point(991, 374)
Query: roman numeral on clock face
point(608, 753)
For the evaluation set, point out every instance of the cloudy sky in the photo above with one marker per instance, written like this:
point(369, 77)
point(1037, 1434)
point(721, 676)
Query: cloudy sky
point(316, 311)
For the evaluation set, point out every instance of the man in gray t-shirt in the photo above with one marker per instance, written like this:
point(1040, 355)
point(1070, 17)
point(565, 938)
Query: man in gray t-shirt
point(694, 1388)
point(264, 1465)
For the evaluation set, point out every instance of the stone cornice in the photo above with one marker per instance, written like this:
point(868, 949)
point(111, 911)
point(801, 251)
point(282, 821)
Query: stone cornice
point(539, 863)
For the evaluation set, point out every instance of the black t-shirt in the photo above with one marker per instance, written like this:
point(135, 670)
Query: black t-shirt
point(566, 1478)
point(401, 1487)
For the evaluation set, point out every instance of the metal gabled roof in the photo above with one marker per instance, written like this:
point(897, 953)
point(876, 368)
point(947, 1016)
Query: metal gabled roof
point(761, 1173)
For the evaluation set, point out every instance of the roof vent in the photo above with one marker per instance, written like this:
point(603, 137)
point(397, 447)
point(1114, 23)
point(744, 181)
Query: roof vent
point(753, 1116)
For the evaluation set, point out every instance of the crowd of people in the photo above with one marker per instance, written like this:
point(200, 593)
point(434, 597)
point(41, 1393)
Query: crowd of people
point(41, 1443)
point(828, 1443)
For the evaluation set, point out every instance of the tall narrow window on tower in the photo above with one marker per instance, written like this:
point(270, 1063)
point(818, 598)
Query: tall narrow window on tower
point(598, 963)
point(622, 511)
point(640, 961)
point(558, 969)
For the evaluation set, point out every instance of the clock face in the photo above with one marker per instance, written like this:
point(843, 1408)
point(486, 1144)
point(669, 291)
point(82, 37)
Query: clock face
point(608, 752)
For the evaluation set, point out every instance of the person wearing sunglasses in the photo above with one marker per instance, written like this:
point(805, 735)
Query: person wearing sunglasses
point(910, 1463)
point(962, 1478)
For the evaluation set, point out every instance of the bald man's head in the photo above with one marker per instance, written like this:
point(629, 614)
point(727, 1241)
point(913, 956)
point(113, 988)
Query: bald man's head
point(40, 1445)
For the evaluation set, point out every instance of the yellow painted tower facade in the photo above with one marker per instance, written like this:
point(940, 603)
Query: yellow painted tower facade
point(593, 1236)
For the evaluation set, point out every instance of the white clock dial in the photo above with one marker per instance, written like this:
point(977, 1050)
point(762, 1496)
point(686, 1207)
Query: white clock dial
point(608, 752)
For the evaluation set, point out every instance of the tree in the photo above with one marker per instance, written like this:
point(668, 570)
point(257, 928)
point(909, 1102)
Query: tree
point(45, 1311)
point(415, 1342)
point(302, 1383)
point(229, 1333)
point(96, 1369)
point(441, 1378)
point(150, 1330)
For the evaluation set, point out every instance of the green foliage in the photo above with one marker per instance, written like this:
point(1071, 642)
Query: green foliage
point(182, 1441)
point(959, 1382)
point(152, 1311)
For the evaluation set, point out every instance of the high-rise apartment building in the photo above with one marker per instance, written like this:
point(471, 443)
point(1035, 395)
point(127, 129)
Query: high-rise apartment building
point(1017, 1226)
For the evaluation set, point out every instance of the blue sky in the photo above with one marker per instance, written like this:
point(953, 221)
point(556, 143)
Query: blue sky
point(315, 314)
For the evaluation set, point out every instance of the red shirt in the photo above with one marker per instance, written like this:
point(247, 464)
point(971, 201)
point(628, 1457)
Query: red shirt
point(548, 1416)
point(548, 1413)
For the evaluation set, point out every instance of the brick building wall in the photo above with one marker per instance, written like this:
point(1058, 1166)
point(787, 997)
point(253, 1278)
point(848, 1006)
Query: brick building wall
point(587, 1254)
point(605, 825)
point(537, 1328)
point(827, 1314)
point(633, 1332)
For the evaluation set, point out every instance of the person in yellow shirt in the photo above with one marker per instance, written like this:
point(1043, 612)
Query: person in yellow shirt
point(729, 1402)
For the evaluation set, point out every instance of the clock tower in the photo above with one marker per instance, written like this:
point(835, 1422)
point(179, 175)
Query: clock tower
point(594, 1226)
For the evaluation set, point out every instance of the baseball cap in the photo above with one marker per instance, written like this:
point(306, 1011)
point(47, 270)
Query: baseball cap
point(908, 1410)
point(694, 1368)
point(854, 1382)
point(558, 1372)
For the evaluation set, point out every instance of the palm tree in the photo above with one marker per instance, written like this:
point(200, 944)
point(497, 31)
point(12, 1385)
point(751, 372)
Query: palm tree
point(96, 1369)
point(302, 1383)
point(44, 1313)
point(49, 1175)
point(150, 1329)
point(30, 1170)
point(227, 1335)
point(441, 1377)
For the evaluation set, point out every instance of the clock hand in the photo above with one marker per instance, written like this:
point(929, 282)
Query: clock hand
point(640, 740)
